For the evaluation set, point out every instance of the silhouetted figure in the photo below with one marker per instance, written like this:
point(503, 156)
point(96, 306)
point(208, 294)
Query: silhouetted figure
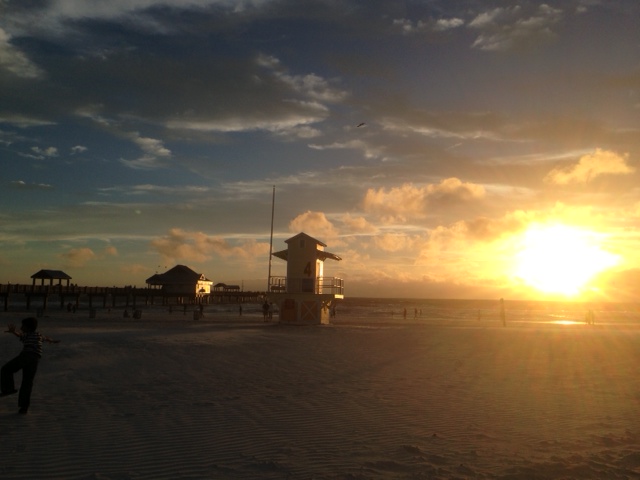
point(590, 318)
point(27, 361)
point(503, 317)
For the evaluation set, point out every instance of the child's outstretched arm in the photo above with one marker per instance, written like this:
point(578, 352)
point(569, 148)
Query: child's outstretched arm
point(11, 328)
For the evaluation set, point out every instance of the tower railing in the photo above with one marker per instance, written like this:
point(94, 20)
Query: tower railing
point(322, 285)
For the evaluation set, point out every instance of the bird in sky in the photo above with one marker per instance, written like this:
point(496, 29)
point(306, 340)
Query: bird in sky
point(361, 125)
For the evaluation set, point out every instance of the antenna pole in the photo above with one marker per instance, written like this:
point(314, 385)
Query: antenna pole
point(273, 203)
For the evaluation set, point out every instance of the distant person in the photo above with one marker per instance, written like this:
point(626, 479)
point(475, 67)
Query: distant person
point(240, 310)
point(265, 311)
point(404, 313)
point(590, 318)
point(503, 317)
point(27, 361)
point(270, 311)
point(415, 313)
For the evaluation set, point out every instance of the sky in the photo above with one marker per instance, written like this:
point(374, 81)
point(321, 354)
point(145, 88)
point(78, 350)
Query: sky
point(443, 149)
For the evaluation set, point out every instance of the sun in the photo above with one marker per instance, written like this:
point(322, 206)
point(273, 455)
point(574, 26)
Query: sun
point(559, 259)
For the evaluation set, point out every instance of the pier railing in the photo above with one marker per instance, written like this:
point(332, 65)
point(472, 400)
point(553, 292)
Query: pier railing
point(110, 297)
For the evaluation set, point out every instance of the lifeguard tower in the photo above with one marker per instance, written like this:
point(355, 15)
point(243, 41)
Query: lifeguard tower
point(305, 296)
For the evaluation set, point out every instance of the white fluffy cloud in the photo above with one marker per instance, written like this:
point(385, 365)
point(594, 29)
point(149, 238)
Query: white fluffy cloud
point(315, 224)
point(179, 244)
point(400, 203)
point(600, 162)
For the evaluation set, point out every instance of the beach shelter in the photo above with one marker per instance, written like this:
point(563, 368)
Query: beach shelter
point(50, 275)
point(181, 280)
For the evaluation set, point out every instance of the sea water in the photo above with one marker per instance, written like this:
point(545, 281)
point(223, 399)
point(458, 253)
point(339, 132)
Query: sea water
point(392, 310)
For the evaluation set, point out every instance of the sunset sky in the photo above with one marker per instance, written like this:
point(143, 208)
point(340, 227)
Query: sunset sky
point(443, 149)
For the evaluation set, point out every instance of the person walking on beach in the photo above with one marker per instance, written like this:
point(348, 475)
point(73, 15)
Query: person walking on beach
point(503, 317)
point(27, 361)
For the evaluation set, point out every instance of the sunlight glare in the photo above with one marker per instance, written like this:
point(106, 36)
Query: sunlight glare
point(560, 259)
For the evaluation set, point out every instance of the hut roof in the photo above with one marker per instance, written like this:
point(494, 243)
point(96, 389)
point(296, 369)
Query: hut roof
point(51, 275)
point(178, 275)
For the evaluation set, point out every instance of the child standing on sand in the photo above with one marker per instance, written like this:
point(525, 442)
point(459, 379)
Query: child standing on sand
point(27, 361)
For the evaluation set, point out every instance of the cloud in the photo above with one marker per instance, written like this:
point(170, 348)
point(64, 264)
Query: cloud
point(77, 257)
point(262, 96)
point(78, 149)
point(512, 28)
point(57, 17)
point(315, 224)
point(369, 151)
point(30, 186)
point(154, 153)
point(393, 242)
point(151, 146)
point(23, 121)
point(410, 27)
point(179, 244)
point(357, 224)
point(397, 204)
point(14, 61)
point(312, 86)
point(46, 152)
point(453, 189)
point(601, 162)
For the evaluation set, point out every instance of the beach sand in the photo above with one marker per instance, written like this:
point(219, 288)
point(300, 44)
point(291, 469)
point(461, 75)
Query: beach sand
point(235, 398)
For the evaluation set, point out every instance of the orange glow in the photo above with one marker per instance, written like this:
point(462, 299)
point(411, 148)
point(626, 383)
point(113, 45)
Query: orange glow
point(560, 259)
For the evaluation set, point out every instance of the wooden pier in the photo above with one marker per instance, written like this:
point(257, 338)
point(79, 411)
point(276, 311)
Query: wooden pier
point(72, 296)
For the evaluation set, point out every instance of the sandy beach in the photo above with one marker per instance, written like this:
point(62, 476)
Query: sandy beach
point(225, 397)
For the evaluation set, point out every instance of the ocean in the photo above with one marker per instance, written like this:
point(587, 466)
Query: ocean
point(442, 311)
point(379, 311)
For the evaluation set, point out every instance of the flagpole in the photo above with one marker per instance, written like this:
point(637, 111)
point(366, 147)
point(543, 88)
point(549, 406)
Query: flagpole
point(273, 203)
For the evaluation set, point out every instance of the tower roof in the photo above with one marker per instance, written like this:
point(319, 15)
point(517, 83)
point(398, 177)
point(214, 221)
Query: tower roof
point(320, 254)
